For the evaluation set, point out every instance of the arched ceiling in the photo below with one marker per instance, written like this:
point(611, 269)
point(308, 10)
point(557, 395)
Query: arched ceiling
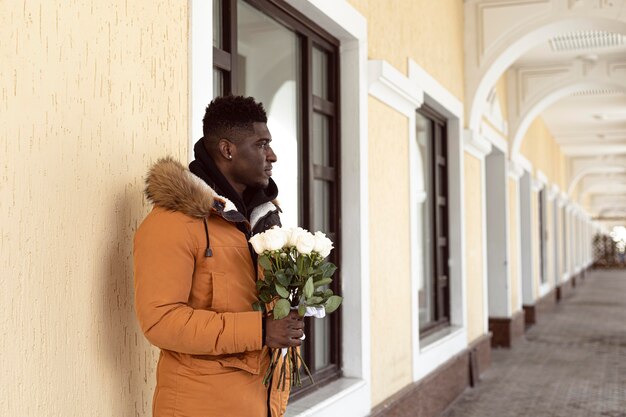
point(565, 61)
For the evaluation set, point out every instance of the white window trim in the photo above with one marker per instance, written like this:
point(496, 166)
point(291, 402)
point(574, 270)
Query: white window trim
point(436, 96)
point(350, 395)
point(406, 95)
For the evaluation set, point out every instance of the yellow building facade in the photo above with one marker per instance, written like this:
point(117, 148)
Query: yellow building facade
point(446, 249)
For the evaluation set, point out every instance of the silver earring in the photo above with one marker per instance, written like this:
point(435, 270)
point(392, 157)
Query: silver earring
point(230, 157)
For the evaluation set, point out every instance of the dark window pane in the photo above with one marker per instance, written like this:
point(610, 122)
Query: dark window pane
point(321, 206)
point(320, 73)
point(218, 83)
point(322, 343)
point(217, 24)
point(321, 140)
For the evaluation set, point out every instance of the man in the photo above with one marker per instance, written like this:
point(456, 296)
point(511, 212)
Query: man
point(195, 273)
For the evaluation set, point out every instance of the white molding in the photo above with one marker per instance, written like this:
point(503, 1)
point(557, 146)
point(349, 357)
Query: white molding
point(563, 199)
point(475, 144)
point(438, 352)
point(553, 192)
point(336, 398)
point(494, 137)
point(537, 185)
point(390, 86)
point(515, 170)
point(542, 177)
point(436, 96)
point(350, 27)
point(523, 162)
point(200, 86)
point(443, 100)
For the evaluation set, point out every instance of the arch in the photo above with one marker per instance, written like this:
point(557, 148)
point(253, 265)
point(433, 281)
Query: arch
point(556, 93)
point(594, 169)
point(521, 41)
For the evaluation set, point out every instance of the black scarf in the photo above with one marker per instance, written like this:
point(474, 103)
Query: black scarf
point(204, 167)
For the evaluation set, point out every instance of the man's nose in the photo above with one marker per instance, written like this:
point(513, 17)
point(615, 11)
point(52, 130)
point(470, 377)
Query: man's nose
point(271, 156)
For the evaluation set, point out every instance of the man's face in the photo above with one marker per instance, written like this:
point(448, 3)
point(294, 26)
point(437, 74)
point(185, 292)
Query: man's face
point(253, 157)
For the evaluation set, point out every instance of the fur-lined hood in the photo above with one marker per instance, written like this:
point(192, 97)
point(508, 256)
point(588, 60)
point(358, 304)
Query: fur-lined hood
point(172, 186)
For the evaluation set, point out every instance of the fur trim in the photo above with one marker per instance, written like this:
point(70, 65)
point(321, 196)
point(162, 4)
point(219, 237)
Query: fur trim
point(172, 186)
point(260, 212)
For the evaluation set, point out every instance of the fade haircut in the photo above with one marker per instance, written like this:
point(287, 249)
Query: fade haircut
point(226, 115)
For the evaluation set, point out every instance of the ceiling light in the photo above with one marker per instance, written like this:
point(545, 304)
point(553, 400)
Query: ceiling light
point(596, 92)
point(610, 116)
point(587, 39)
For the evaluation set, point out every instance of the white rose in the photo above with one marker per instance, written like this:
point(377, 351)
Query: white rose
point(259, 243)
point(323, 245)
point(275, 238)
point(305, 243)
point(293, 234)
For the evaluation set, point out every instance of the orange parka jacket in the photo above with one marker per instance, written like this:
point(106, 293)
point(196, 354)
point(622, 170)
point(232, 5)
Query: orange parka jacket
point(198, 308)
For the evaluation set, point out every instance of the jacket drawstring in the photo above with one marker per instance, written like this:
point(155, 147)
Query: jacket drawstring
point(208, 252)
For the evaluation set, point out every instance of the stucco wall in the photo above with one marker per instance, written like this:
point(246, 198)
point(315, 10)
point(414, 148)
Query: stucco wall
point(474, 247)
point(501, 91)
point(513, 244)
point(540, 148)
point(389, 250)
point(430, 32)
point(91, 93)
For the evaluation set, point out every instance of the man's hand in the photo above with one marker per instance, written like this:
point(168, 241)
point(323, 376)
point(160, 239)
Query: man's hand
point(284, 332)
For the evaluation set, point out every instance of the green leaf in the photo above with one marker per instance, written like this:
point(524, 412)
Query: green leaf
point(265, 262)
point(333, 303)
point(282, 291)
point(281, 309)
point(308, 288)
point(260, 284)
point(314, 300)
point(328, 269)
point(323, 281)
point(328, 292)
point(265, 297)
point(283, 278)
point(258, 306)
point(302, 310)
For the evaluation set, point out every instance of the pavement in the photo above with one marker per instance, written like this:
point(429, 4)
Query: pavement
point(572, 363)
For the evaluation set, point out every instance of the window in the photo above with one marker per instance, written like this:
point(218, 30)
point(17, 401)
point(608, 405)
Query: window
point(434, 288)
point(267, 50)
point(542, 236)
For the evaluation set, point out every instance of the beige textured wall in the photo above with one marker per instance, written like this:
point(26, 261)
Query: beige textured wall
point(430, 32)
point(91, 92)
point(389, 250)
point(540, 148)
point(474, 247)
point(513, 243)
point(501, 91)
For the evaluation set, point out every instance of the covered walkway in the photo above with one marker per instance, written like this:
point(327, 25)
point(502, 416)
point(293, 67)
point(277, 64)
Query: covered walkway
point(572, 363)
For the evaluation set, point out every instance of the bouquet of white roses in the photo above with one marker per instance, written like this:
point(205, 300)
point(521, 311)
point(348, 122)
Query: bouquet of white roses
point(296, 275)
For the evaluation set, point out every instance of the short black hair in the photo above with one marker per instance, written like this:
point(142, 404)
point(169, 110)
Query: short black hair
point(227, 113)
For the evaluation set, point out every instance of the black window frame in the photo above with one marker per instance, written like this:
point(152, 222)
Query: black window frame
point(310, 36)
point(439, 218)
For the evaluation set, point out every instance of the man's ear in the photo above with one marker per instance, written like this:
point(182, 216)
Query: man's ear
point(226, 149)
